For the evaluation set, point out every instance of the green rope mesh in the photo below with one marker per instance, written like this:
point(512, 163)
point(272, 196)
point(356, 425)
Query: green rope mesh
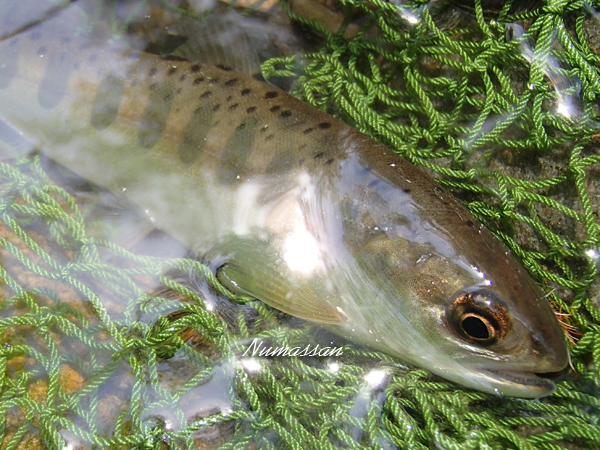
point(92, 334)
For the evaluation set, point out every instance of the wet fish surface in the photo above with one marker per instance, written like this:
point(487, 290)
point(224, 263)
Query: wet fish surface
point(289, 205)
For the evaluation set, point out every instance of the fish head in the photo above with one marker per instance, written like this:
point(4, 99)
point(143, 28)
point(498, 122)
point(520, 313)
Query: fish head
point(463, 307)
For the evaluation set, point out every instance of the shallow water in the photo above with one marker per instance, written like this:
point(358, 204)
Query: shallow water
point(108, 387)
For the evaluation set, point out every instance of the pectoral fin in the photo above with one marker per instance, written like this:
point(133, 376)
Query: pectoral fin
point(255, 269)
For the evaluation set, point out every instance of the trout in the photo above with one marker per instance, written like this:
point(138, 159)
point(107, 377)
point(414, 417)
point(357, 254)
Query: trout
point(288, 205)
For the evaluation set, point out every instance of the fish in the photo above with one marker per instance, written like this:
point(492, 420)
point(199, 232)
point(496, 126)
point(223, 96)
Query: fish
point(288, 205)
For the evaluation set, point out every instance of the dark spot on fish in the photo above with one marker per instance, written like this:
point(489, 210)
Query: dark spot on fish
point(265, 128)
point(470, 223)
point(319, 155)
point(213, 80)
point(93, 58)
point(229, 97)
point(195, 68)
point(65, 40)
point(35, 36)
point(271, 94)
point(154, 120)
point(373, 184)
point(245, 91)
point(217, 107)
point(182, 78)
point(225, 68)
point(231, 82)
point(232, 107)
point(275, 108)
point(193, 136)
point(198, 80)
point(153, 71)
point(152, 86)
point(251, 109)
point(406, 191)
point(280, 163)
point(285, 114)
point(206, 94)
point(172, 58)
point(269, 137)
point(42, 50)
point(168, 96)
point(324, 125)
point(308, 130)
point(237, 151)
point(53, 87)
point(105, 106)
point(172, 70)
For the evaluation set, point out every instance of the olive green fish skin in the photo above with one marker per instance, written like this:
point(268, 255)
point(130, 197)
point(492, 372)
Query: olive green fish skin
point(304, 212)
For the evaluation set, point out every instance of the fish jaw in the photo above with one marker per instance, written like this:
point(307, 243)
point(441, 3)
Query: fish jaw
point(519, 384)
point(522, 379)
point(509, 383)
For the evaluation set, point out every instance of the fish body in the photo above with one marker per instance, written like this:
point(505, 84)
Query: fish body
point(294, 207)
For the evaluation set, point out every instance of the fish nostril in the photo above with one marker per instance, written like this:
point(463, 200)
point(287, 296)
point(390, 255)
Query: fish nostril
point(538, 345)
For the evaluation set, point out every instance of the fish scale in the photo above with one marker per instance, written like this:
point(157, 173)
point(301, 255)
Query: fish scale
point(295, 208)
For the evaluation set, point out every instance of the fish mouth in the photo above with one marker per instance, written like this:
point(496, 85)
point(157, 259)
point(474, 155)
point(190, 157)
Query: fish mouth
point(514, 383)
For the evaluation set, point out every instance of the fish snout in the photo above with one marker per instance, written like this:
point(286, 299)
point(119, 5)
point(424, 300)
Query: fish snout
point(550, 351)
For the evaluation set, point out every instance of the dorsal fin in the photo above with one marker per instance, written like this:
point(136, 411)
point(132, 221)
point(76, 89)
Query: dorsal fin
point(224, 42)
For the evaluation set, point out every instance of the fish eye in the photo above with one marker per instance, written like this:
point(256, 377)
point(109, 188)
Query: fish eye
point(478, 327)
point(478, 316)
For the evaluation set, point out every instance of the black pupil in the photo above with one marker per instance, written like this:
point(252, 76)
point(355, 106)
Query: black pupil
point(475, 328)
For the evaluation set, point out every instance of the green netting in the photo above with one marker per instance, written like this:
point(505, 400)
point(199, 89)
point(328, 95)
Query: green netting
point(91, 358)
